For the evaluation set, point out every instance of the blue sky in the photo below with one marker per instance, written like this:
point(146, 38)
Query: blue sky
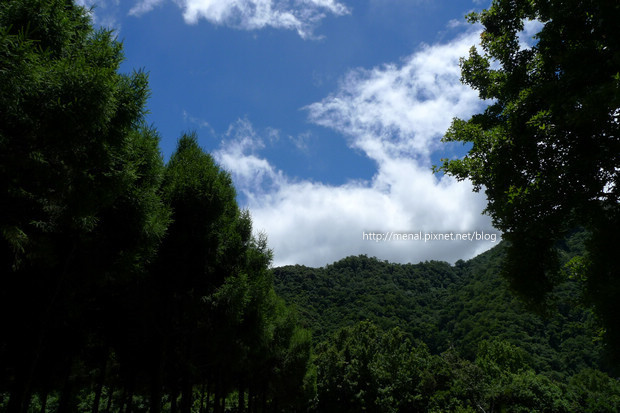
point(327, 113)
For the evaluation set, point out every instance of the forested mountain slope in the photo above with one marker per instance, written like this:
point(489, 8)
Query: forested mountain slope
point(446, 306)
point(432, 337)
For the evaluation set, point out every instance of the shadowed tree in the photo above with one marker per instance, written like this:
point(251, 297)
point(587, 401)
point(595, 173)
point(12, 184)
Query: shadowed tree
point(201, 280)
point(120, 275)
point(546, 151)
point(217, 321)
point(79, 174)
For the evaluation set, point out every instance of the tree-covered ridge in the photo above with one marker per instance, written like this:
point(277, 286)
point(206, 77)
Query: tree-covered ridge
point(435, 337)
point(446, 306)
point(362, 288)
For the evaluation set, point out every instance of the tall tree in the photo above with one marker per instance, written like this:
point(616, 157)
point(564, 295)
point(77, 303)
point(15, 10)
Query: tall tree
point(546, 150)
point(124, 274)
point(79, 175)
point(198, 278)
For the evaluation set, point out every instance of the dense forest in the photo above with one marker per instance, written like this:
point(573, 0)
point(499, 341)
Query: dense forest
point(436, 337)
point(131, 284)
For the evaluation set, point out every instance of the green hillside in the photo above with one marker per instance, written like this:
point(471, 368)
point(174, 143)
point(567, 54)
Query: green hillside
point(446, 306)
point(455, 334)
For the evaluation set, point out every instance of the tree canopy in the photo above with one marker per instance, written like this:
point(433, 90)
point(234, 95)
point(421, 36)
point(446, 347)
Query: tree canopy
point(546, 150)
point(434, 337)
point(447, 306)
point(80, 174)
point(127, 282)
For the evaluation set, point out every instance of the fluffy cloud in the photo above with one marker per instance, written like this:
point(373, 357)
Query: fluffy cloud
point(144, 6)
point(298, 15)
point(401, 110)
point(253, 175)
point(530, 29)
point(396, 114)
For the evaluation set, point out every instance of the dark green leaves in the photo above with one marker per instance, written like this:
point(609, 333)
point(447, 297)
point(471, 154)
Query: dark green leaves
point(547, 149)
point(116, 269)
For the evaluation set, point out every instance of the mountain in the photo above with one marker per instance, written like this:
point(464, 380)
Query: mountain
point(447, 307)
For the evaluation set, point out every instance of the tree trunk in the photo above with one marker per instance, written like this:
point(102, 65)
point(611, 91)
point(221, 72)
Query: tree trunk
point(217, 396)
point(241, 399)
point(67, 400)
point(208, 408)
point(156, 395)
point(250, 399)
point(20, 393)
point(19, 400)
point(202, 399)
point(264, 398)
point(127, 398)
point(99, 389)
point(129, 401)
point(108, 405)
point(173, 401)
point(187, 395)
point(123, 399)
point(156, 388)
point(43, 398)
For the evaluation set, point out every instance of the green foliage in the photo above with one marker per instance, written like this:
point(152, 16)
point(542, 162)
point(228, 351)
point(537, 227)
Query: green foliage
point(446, 306)
point(477, 346)
point(509, 383)
point(217, 318)
point(133, 283)
point(362, 368)
point(545, 151)
point(80, 175)
point(594, 391)
point(363, 288)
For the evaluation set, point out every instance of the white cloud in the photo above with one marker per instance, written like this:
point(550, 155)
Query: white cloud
point(253, 176)
point(314, 223)
point(197, 122)
point(298, 15)
point(526, 36)
point(144, 6)
point(302, 141)
point(401, 109)
point(396, 114)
